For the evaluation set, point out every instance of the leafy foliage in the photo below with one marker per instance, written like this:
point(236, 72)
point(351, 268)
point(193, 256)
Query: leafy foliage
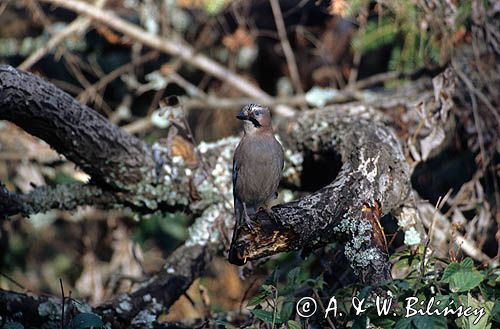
point(405, 25)
point(418, 300)
point(462, 276)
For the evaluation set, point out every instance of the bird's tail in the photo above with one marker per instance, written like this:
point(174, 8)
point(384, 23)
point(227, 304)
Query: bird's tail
point(238, 211)
point(238, 214)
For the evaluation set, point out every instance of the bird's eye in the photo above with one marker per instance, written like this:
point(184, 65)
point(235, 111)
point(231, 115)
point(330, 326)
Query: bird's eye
point(258, 113)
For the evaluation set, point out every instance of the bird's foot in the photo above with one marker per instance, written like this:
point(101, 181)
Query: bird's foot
point(248, 222)
point(270, 213)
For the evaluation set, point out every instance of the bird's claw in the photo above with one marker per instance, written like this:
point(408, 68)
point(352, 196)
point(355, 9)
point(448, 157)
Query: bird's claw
point(270, 214)
point(248, 222)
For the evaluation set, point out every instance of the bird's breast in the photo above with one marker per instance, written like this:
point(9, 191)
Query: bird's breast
point(259, 172)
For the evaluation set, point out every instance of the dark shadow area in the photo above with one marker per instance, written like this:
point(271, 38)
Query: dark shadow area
point(319, 170)
point(448, 170)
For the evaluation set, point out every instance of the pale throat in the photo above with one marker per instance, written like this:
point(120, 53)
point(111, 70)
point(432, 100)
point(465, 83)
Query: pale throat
point(249, 128)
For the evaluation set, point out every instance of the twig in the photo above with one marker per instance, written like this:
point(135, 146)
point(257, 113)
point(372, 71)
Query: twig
point(285, 45)
point(104, 81)
point(393, 75)
point(62, 308)
point(3, 6)
point(77, 26)
point(14, 281)
point(38, 14)
point(477, 92)
point(231, 103)
point(173, 45)
point(74, 67)
point(377, 78)
point(190, 88)
point(211, 102)
point(465, 244)
point(323, 308)
point(472, 92)
point(439, 205)
point(363, 15)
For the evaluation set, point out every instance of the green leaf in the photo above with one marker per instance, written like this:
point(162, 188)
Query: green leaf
point(293, 324)
point(320, 283)
point(467, 322)
point(374, 36)
point(495, 312)
point(273, 278)
point(462, 276)
point(468, 263)
point(360, 322)
point(286, 310)
point(436, 322)
point(293, 275)
point(12, 325)
point(421, 321)
point(383, 322)
point(364, 293)
point(213, 7)
point(404, 323)
point(85, 320)
point(267, 288)
point(401, 284)
point(255, 300)
point(223, 323)
point(265, 316)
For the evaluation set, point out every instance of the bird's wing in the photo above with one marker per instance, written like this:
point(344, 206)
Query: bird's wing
point(237, 203)
point(235, 172)
point(282, 156)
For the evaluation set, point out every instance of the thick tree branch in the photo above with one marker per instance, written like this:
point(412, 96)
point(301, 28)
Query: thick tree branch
point(161, 291)
point(63, 196)
point(85, 137)
point(373, 180)
point(45, 312)
point(121, 166)
point(35, 311)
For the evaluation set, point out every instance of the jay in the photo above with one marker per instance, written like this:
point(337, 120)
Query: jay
point(257, 164)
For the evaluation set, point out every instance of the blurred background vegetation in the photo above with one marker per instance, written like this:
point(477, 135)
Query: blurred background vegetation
point(360, 45)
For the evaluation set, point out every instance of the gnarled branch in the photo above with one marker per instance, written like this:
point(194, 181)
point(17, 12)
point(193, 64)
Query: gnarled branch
point(82, 135)
point(373, 180)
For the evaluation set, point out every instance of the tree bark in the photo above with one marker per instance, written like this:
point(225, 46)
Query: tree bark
point(84, 136)
point(373, 180)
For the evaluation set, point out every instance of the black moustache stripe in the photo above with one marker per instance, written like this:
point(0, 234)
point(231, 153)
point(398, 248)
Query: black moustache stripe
point(255, 122)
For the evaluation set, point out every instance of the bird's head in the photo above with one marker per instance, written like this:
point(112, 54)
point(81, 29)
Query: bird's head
point(255, 117)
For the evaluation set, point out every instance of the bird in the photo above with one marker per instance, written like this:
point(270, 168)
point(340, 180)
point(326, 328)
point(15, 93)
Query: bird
point(257, 164)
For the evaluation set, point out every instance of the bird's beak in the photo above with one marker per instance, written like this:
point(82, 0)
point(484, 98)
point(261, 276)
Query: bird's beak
point(242, 116)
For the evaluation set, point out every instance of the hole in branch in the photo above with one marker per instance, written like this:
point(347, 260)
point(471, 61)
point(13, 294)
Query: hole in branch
point(319, 170)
